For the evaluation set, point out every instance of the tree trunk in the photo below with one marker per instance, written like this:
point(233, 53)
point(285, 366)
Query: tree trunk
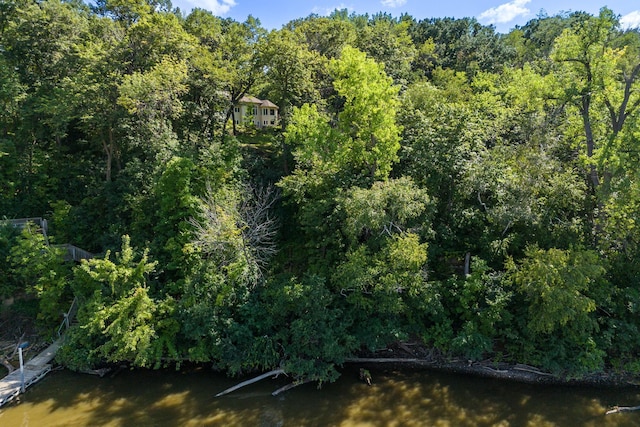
point(7, 365)
point(618, 117)
point(275, 372)
point(224, 124)
point(108, 150)
point(588, 132)
point(467, 264)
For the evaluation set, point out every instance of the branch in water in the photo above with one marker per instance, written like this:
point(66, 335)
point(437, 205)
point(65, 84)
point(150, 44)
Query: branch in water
point(290, 386)
point(618, 409)
point(275, 372)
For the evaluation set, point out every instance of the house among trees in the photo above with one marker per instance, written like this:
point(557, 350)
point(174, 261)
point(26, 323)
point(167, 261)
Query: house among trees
point(262, 113)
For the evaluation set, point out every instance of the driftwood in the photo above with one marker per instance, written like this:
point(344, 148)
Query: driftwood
point(6, 347)
point(275, 372)
point(387, 360)
point(519, 372)
point(7, 365)
point(99, 372)
point(290, 386)
point(406, 348)
point(618, 409)
point(526, 368)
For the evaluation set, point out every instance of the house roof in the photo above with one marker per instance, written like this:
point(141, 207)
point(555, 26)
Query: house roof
point(267, 103)
point(260, 102)
point(250, 100)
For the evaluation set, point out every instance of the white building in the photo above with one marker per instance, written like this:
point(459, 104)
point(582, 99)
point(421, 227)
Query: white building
point(262, 112)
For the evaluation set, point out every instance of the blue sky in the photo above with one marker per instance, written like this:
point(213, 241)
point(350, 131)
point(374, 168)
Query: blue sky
point(504, 14)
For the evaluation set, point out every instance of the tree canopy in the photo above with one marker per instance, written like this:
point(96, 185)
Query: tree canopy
point(428, 180)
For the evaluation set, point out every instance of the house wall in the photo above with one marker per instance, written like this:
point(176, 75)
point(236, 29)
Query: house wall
point(262, 116)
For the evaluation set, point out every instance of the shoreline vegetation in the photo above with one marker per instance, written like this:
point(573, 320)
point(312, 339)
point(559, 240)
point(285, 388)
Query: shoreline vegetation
point(403, 355)
point(267, 201)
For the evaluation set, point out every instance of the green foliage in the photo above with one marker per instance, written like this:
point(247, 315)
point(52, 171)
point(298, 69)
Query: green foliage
point(560, 289)
point(155, 92)
point(41, 270)
point(557, 284)
point(408, 146)
point(325, 35)
point(526, 195)
point(356, 150)
point(119, 321)
point(171, 231)
point(387, 208)
point(135, 328)
point(597, 66)
point(366, 138)
point(112, 279)
point(396, 269)
point(312, 333)
point(388, 42)
point(233, 239)
point(9, 284)
point(368, 119)
point(478, 312)
point(463, 44)
point(291, 66)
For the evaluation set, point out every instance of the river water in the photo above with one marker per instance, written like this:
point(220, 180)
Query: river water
point(396, 398)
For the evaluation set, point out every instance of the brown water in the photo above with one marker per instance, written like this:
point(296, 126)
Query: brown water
point(407, 398)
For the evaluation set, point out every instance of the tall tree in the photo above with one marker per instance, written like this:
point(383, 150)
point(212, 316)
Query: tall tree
point(324, 35)
point(598, 74)
point(463, 44)
point(240, 60)
point(355, 148)
point(388, 42)
point(290, 71)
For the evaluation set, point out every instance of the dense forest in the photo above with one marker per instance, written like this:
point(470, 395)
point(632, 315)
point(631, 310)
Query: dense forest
point(429, 180)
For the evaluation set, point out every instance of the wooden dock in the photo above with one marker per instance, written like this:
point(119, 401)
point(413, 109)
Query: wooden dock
point(34, 370)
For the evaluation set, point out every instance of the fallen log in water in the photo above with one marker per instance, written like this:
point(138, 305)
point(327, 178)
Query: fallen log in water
point(289, 387)
point(275, 372)
point(618, 409)
point(533, 370)
point(387, 360)
point(99, 372)
point(521, 373)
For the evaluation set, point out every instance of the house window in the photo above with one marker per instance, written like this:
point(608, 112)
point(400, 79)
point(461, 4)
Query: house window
point(265, 111)
point(237, 109)
point(255, 110)
point(272, 112)
point(265, 122)
point(273, 122)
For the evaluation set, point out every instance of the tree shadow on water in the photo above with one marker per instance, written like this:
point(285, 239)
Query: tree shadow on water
point(396, 398)
point(426, 398)
point(131, 398)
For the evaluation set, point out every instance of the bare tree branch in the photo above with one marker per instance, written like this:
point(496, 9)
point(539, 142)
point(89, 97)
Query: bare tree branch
point(241, 223)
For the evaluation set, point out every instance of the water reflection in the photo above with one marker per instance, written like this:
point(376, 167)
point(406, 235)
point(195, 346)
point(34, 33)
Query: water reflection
point(421, 398)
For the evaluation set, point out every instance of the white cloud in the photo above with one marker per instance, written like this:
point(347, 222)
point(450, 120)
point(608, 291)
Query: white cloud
point(631, 20)
point(326, 11)
point(217, 7)
point(393, 3)
point(505, 12)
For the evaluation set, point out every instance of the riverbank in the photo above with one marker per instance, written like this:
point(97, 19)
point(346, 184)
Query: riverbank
point(402, 356)
point(415, 356)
